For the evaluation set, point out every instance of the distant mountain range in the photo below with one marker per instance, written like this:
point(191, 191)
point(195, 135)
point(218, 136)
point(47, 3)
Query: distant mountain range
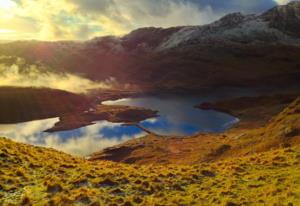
point(278, 25)
point(237, 50)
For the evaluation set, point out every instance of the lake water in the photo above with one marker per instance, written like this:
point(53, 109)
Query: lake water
point(82, 142)
point(177, 116)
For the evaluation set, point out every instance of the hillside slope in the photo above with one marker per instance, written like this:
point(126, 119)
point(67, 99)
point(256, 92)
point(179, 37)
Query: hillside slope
point(38, 176)
point(258, 166)
point(18, 104)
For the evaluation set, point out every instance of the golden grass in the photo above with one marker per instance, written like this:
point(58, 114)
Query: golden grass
point(38, 176)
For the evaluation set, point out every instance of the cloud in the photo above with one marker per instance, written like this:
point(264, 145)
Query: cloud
point(27, 132)
point(281, 2)
point(80, 20)
point(21, 74)
point(181, 118)
point(79, 142)
point(94, 5)
point(86, 144)
point(74, 19)
point(129, 15)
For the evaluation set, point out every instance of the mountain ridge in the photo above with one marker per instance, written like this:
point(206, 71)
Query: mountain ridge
point(241, 50)
point(289, 13)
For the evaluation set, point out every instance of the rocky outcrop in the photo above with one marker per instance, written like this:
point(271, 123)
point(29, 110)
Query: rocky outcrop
point(285, 18)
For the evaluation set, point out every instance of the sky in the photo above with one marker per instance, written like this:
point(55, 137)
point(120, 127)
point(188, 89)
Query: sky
point(85, 19)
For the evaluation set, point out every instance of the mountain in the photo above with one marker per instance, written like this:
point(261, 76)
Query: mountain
point(238, 49)
point(285, 18)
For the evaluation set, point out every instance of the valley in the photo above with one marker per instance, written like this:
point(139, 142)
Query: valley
point(186, 115)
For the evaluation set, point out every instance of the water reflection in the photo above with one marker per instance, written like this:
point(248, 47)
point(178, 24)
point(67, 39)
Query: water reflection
point(178, 115)
point(83, 141)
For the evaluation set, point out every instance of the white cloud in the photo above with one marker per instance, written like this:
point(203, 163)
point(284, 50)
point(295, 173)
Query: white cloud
point(151, 120)
point(282, 2)
point(26, 132)
point(80, 142)
point(76, 19)
point(22, 75)
point(167, 13)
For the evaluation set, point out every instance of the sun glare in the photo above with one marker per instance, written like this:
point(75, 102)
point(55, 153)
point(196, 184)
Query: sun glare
point(5, 31)
point(7, 4)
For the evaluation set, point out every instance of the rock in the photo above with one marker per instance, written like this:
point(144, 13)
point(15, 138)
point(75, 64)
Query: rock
point(231, 204)
point(222, 149)
point(118, 192)
point(54, 188)
point(138, 200)
point(208, 173)
point(25, 201)
point(84, 199)
point(290, 132)
point(107, 183)
point(81, 183)
point(128, 203)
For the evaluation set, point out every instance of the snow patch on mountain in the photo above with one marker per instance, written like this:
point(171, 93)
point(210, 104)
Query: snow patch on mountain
point(182, 35)
point(235, 28)
point(256, 30)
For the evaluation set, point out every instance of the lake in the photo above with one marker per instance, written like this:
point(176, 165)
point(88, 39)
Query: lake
point(177, 116)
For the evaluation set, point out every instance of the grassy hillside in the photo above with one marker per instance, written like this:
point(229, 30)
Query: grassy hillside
point(26, 104)
point(257, 166)
point(37, 176)
point(259, 130)
point(254, 111)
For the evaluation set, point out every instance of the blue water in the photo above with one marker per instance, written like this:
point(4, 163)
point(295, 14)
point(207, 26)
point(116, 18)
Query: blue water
point(177, 116)
point(82, 142)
